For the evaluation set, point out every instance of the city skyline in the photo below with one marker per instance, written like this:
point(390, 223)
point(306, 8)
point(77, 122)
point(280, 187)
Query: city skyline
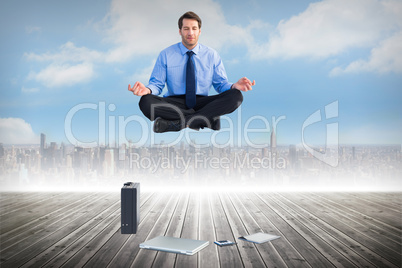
point(51, 166)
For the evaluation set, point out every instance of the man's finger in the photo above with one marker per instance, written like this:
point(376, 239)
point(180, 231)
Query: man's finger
point(136, 87)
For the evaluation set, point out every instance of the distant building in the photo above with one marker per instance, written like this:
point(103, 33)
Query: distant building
point(273, 141)
point(108, 164)
point(292, 155)
point(42, 144)
point(1, 150)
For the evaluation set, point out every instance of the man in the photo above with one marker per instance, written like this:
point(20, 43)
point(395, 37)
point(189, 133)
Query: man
point(189, 69)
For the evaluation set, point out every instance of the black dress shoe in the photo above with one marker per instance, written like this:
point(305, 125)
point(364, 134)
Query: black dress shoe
point(216, 124)
point(162, 125)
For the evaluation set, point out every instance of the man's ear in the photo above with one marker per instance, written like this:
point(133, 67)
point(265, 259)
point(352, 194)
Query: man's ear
point(180, 31)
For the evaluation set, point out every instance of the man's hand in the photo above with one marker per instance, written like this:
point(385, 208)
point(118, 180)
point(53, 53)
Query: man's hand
point(244, 84)
point(139, 89)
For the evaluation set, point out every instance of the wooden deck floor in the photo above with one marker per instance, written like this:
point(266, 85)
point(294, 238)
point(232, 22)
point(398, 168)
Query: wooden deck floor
point(316, 229)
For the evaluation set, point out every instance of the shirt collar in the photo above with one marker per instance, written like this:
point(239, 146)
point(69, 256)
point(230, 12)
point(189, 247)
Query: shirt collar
point(184, 50)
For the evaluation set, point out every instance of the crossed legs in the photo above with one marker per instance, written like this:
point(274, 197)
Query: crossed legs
point(206, 112)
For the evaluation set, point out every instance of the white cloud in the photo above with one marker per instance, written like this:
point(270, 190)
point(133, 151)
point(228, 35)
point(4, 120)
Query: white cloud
point(134, 31)
point(325, 29)
point(67, 52)
point(70, 65)
point(58, 75)
point(387, 57)
point(332, 27)
point(329, 28)
point(16, 131)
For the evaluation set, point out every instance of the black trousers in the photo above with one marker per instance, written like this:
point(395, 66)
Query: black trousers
point(206, 112)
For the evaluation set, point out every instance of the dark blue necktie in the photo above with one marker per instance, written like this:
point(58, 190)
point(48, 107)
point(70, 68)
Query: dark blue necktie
point(190, 82)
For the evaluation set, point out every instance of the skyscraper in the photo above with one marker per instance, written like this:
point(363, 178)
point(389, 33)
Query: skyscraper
point(273, 141)
point(292, 155)
point(1, 150)
point(42, 144)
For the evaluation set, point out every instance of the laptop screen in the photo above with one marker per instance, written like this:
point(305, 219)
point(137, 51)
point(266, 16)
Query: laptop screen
point(175, 245)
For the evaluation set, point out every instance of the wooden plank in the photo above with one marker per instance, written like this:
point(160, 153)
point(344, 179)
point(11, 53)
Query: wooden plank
point(304, 224)
point(336, 239)
point(145, 258)
point(190, 230)
point(12, 196)
point(11, 201)
point(23, 255)
point(375, 211)
point(339, 230)
point(41, 224)
point(125, 247)
point(209, 256)
point(307, 246)
point(228, 256)
point(31, 212)
point(364, 225)
point(16, 241)
point(387, 199)
point(317, 229)
point(270, 222)
point(249, 219)
point(383, 228)
point(164, 259)
point(94, 226)
point(378, 244)
point(103, 241)
point(84, 242)
point(394, 197)
point(112, 240)
point(26, 202)
point(249, 254)
point(128, 252)
point(384, 206)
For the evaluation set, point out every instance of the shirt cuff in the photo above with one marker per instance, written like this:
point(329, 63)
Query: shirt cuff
point(154, 90)
point(226, 87)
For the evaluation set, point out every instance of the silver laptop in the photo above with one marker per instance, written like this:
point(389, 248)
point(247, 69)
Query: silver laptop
point(175, 245)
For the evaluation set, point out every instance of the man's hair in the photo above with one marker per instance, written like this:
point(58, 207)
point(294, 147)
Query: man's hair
point(189, 15)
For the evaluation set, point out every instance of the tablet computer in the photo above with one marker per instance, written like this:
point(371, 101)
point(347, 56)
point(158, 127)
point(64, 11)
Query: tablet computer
point(175, 245)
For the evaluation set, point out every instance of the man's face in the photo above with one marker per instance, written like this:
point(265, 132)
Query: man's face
point(190, 33)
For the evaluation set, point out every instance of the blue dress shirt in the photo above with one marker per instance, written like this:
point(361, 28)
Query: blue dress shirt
point(170, 69)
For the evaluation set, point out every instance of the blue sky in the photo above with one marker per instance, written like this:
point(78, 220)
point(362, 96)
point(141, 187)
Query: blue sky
point(58, 57)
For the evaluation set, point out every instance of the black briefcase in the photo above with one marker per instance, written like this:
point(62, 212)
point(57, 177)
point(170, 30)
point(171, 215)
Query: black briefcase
point(130, 208)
